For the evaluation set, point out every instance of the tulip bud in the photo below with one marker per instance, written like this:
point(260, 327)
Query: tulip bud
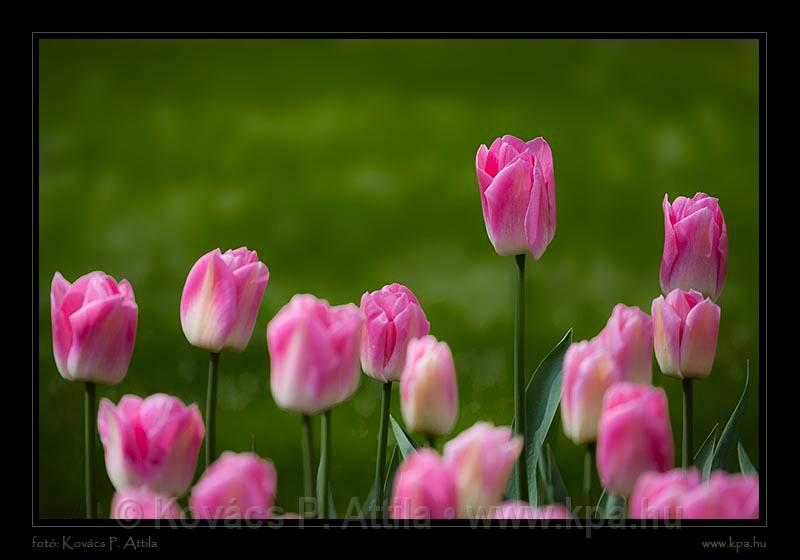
point(685, 333)
point(695, 246)
point(392, 318)
point(628, 340)
point(152, 442)
point(588, 372)
point(424, 488)
point(94, 327)
point(634, 435)
point(235, 486)
point(483, 457)
point(313, 351)
point(221, 297)
point(516, 509)
point(518, 194)
point(141, 503)
point(660, 495)
point(724, 496)
point(428, 394)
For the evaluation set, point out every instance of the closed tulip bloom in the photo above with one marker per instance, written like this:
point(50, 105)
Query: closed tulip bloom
point(150, 442)
point(483, 457)
point(313, 350)
point(141, 503)
point(392, 318)
point(686, 326)
point(428, 394)
point(695, 245)
point(628, 340)
point(235, 486)
point(634, 436)
point(424, 488)
point(724, 496)
point(659, 495)
point(94, 327)
point(518, 194)
point(516, 509)
point(221, 298)
point(588, 373)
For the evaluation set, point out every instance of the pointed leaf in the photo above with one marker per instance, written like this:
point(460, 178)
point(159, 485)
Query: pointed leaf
point(745, 464)
point(331, 503)
point(404, 441)
point(702, 460)
point(611, 506)
point(511, 486)
point(394, 462)
point(725, 451)
point(559, 489)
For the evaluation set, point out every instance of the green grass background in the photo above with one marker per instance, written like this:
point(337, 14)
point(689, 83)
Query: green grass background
point(349, 164)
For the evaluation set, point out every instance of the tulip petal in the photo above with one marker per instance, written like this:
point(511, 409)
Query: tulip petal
point(537, 216)
point(122, 452)
point(667, 331)
point(670, 247)
point(62, 331)
point(699, 343)
point(251, 280)
point(507, 200)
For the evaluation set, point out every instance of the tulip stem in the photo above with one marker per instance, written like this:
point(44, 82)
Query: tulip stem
point(588, 474)
point(432, 442)
point(324, 464)
point(688, 421)
point(89, 424)
point(519, 380)
point(308, 459)
point(383, 433)
point(211, 408)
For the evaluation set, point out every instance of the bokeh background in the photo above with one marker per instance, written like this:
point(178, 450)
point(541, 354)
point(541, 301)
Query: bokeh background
point(349, 164)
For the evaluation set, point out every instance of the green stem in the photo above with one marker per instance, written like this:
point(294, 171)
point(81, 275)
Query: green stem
point(383, 433)
point(324, 464)
point(308, 459)
point(432, 442)
point(89, 424)
point(588, 474)
point(211, 408)
point(519, 379)
point(688, 420)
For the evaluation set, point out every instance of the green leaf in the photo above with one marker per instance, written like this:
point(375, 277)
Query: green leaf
point(702, 460)
point(611, 506)
point(542, 396)
point(404, 441)
point(331, 503)
point(725, 451)
point(559, 489)
point(394, 462)
point(511, 486)
point(745, 464)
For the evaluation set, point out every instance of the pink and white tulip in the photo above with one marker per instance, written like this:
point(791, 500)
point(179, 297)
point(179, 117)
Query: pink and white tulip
point(628, 340)
point(94, 327)
point(658, 495)
point(142, 503)
point(152, 443)
point(686, 327)
point(695, 245)
point(634, 436)
point(392, 318)
point(221, 298)
point(424, 488)
point(235, 486)
point(483, 457)
point(518, 194)
point(516, 509)
point(313, 349)
point(428, 393)
point(724, 496)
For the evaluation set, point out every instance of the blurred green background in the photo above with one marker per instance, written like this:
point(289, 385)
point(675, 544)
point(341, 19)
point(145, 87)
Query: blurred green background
point(349, 164)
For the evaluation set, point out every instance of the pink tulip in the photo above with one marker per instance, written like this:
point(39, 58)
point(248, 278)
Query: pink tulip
point(695, 245)
point(659, 495)
point(94, 327)
point(483, 457)
point(628, 340)
point(588, 373)
point(392, 318)
point(424, 488)
point(235, 486)
point(141, 503)
point(634, 435)
point(518, 194)
point(152, 442)
point(313, 350)
point(221, 297)
point(428, 394)
point(516, 509)
point(685, 333)
point(724, 496)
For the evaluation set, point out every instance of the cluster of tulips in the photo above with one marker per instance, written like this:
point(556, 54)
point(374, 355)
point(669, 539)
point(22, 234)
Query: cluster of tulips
point(318, 351)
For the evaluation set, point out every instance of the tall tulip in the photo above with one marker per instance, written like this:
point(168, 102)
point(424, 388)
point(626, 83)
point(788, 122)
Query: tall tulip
point(695, 245)
point(392, 318)
point(219, 306)
point(142, 503)
point(94, 329)
point(634, 435)
point(424, 488)
point(152, 442)
point(314, 365)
